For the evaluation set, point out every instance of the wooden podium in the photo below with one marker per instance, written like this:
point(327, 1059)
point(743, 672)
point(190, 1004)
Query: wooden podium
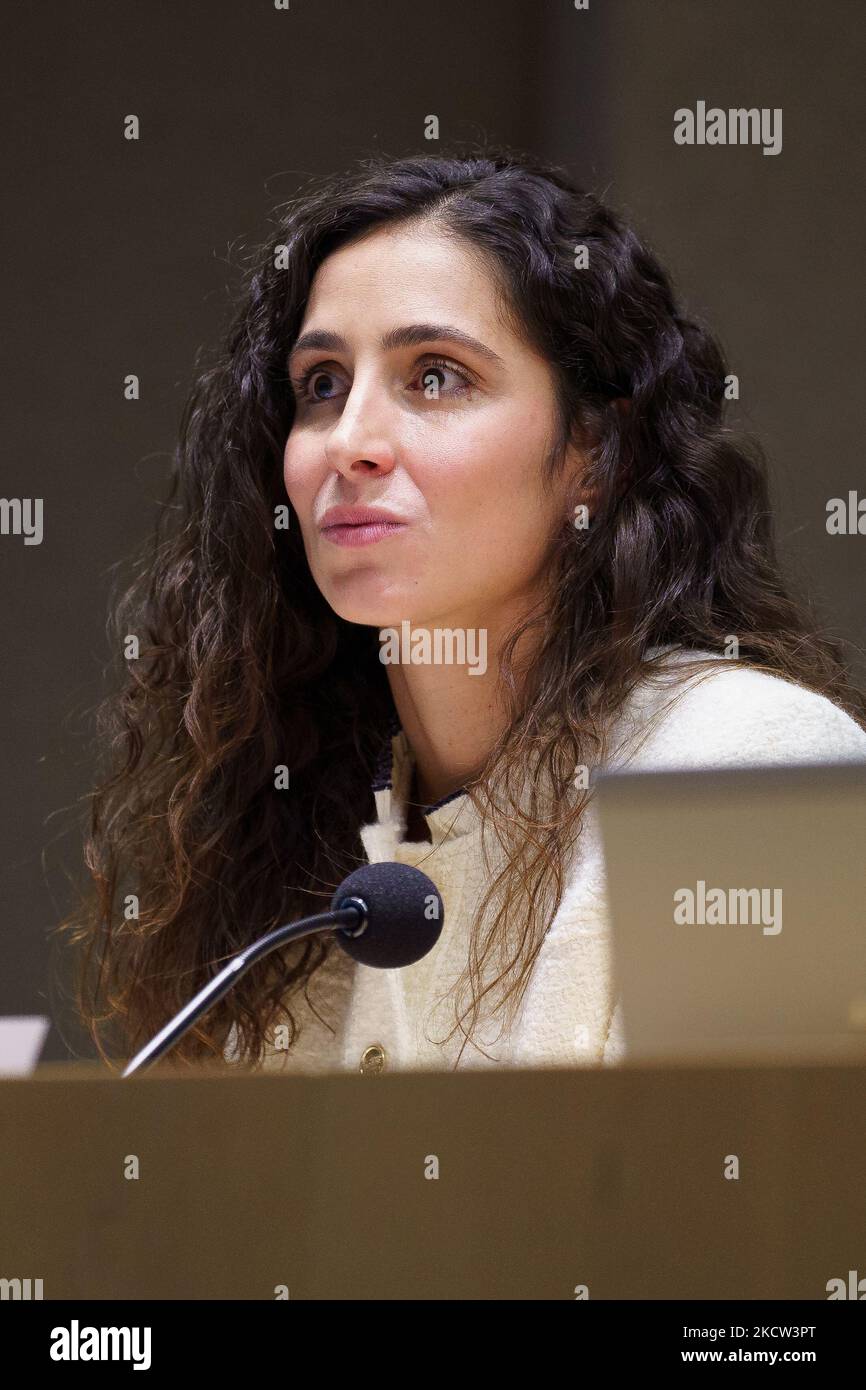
point(494, 1184)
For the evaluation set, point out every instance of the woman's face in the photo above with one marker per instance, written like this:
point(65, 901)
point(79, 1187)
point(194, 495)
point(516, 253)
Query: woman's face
point(448, 436)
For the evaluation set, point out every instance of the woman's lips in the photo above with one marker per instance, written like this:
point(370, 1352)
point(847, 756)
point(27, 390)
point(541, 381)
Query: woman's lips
point(365, 533)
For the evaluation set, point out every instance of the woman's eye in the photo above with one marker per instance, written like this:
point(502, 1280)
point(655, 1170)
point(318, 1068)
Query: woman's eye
point(310, 383)
point(433, 377)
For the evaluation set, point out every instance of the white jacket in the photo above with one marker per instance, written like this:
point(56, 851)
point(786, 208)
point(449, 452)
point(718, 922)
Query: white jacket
point(569, 1015)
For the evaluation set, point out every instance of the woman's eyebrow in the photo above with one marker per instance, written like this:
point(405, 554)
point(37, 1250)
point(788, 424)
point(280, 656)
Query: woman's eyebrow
point(412, 335)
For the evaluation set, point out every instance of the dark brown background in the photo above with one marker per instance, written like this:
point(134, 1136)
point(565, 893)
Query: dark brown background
point(117, 255)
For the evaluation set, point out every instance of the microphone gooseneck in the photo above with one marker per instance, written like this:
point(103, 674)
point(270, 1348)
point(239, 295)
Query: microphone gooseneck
point(385, 915)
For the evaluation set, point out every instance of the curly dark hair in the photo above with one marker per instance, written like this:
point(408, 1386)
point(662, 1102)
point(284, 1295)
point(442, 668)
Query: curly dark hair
point(243, 666)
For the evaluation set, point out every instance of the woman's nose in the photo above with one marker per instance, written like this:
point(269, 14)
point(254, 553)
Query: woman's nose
point(364, 433)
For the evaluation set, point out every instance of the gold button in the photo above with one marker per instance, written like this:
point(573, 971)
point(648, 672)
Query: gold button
point(373, 1058)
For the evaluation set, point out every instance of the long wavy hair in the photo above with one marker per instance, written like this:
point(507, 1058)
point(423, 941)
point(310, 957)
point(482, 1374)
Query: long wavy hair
point(242, 666)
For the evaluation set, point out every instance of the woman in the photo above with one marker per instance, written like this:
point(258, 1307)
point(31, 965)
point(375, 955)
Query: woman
point(521, 544)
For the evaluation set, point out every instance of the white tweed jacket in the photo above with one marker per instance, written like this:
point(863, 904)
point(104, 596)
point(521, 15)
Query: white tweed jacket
point(360, 1018)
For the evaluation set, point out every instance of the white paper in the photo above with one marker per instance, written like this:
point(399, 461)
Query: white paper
point(21, 1041)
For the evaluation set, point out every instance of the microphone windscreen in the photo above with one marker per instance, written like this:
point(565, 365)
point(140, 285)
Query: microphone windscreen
point(405, 914)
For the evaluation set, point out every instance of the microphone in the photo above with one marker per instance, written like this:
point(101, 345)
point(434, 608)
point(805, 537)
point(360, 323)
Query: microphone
point(403, 908)
point(385, 915)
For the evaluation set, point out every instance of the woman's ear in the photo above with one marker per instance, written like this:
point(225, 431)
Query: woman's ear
point(583, 497)
point(588, 496)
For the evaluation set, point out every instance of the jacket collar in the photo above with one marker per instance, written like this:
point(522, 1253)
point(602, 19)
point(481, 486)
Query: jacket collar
point(452, 817)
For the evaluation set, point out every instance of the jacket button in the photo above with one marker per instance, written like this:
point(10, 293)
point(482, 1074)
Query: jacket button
point(373, 1058)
